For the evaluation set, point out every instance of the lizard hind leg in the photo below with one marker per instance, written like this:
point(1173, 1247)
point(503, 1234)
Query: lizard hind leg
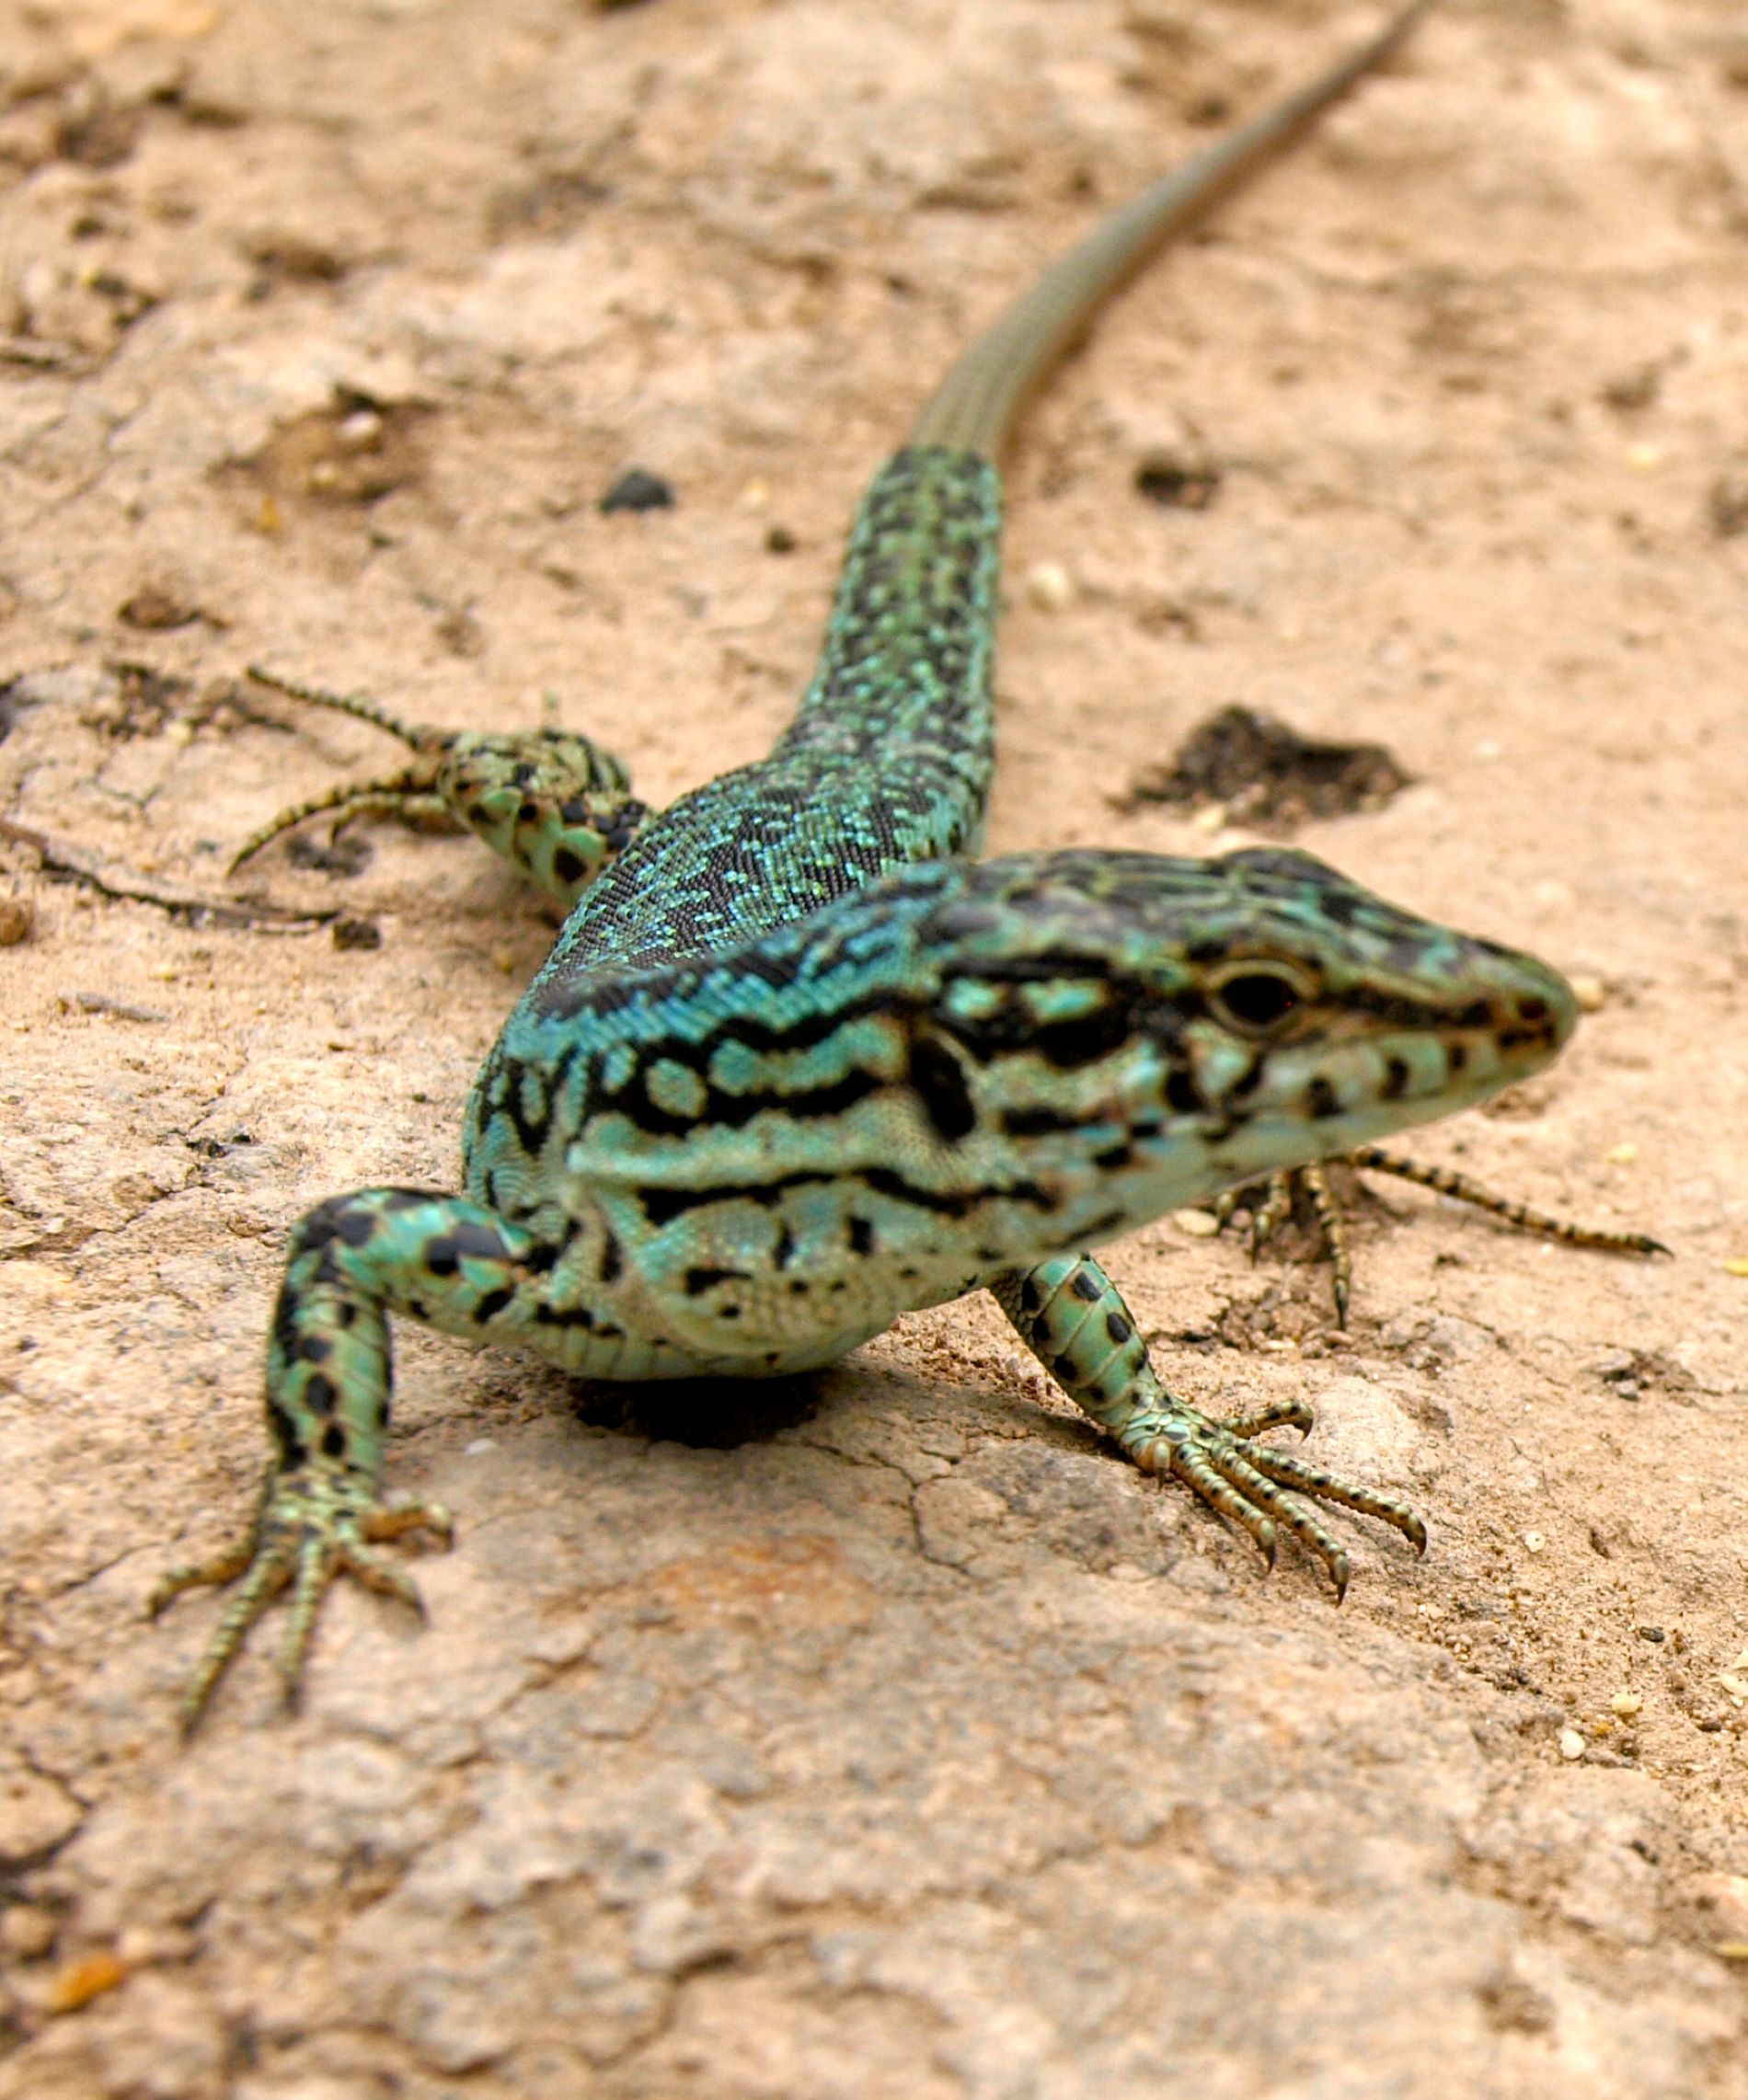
point(552, 803)
point(1273, 1203)
point(1071, 1316)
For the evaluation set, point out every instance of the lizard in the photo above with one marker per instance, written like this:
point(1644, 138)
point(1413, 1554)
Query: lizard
point(798, 1062)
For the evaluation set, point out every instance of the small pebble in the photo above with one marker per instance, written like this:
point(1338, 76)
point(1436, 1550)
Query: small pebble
point(1591, 993)
point(357, 933)
point(1626, 1703)
point(1736, 1265)
point(26, 1932)
point(1197, 1224)
point(637, 489)
point(1534, 1541)
point(1572, 1745)
point(1622, 1154)
point(360, 429)
point(17, 921)
point(78, 1983)
point(1050, 587)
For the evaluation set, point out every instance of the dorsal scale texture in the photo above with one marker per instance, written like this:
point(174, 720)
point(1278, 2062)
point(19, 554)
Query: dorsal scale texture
point(888, 759)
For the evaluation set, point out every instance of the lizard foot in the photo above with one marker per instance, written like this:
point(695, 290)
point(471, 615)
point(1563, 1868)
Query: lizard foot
point(313, 1527)
point(1243, 1480)
point(1272, 1203)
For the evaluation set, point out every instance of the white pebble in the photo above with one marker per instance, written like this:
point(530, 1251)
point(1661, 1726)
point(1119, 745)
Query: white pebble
point(1197, 1224)
point(1050, 587)
point(1572, 1745)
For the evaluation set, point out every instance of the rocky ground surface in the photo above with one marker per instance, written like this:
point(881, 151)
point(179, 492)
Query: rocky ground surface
point(888, 1735)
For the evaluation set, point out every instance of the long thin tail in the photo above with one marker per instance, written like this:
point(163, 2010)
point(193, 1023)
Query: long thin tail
point(976, 406)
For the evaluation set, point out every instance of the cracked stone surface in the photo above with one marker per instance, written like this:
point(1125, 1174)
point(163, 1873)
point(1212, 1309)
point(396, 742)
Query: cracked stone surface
point(880, 1735)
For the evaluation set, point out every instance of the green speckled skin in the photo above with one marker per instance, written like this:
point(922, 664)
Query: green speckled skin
point(797, 1063)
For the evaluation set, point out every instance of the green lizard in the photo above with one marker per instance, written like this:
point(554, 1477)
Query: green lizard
point(797, 1063)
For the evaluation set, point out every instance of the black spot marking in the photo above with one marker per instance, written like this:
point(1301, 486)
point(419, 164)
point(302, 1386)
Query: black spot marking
point(698, 1280)
point(611, 1260)
point(567, 866)
point(575, 810)
point(1184, 1097)
point(1068, 1045)
point(1118, 1328)
point(1457, 1057)
point(492, 1303)
point(1396, 1078)
point(444, 1251)
point(319, 1394)
point(1321, 1100)
point(1085, 1286)
point(939, 1080)
point(861, 1236)
point(334, 1440)
point(315, 1349)
point(1037, 1122)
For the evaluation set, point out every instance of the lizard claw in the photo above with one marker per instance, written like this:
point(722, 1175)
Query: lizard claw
point(313, 1527)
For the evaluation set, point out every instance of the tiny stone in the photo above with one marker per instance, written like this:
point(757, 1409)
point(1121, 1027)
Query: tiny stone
point(1622, 1154)
point(1650, 1632)
point(1572, 1745)
point(1726, 505)
point(357, 933)
point(26, 1932)
point(1591, 993)
point(1050, 587)
point(1626, 1703)
point(1196, 1225)
point(1736, 1265)
point(1179, 483)
point(17, 921)
point(360, 429)
point(1534, 1541)
point(504, 959)
point(779, 540)
point(637, 489)
point(154, 607)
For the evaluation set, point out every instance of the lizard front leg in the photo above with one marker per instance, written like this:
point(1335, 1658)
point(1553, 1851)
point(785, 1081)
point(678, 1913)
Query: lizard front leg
point(442, 1259)
point(1072, 1318)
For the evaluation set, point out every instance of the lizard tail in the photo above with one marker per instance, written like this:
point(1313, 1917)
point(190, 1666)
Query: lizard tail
point(976, 406)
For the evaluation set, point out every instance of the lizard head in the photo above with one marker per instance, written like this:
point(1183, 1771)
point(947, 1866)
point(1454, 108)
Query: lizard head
point(1175, 1026)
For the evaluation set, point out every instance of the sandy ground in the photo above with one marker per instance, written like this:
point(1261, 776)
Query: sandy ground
point(891, 1739)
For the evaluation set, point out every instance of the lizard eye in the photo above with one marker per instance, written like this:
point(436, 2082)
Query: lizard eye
point(1254, 999)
